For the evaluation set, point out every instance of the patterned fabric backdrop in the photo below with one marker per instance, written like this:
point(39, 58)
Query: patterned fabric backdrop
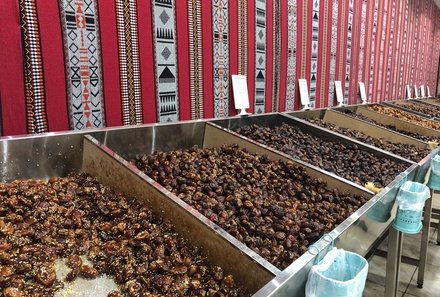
point(74, 64)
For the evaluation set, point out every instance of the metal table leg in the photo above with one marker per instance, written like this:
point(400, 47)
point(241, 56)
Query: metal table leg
point(425, 241)
point(393, 262)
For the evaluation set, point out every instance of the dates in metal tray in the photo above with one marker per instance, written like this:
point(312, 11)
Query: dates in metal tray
point(41, 221)
point(347, 161)
point(408, 151)
point(273, 207)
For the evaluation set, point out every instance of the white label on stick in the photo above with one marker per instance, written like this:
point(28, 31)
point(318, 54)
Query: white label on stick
point(363, 93)
point(408, 92)
point(304, 93)
point(416, 92)
point(239, 87)
point(422, 91)
point(339, 94)
point(428, 91)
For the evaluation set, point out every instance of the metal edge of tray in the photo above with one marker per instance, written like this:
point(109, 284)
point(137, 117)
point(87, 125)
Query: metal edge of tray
point(398, 123)
point(330, 178)
point(424, 166)
point(401, 105)
point(330, 135)
point(342, 120)
point(292, 280)
point(219, 135)
point(218, 246)
point(431, 101)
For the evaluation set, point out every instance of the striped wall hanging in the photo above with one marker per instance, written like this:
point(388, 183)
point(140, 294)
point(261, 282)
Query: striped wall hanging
point(276, 57)
point(165, 53)
point(260, 55)
point(373, 43)
point(291, 54)
point(314, 52)
point(129, 61)
point(34, 89)
point(335, 24)
point(220, 57)
point(195, 58)
point(392, 46)
point(79, 19)
point(362, 44)
point(323, 57)
point(348, 53)
point(242, 37)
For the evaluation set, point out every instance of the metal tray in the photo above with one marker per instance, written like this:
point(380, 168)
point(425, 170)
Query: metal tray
point(357, 233)
point(56, 155)
point(401, 104)
point(398, 123)
point(434, 101)
point(276, 119)
point(345, 121)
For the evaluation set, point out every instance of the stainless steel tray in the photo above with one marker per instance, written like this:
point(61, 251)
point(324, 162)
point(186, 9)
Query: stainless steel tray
point(433, 101)
point(402, 105)
point(276, 119)
point(345, 121)
point(56, 155)
point(398, 123)
point(357, 233)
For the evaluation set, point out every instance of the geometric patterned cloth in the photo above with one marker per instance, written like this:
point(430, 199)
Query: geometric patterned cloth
point(74, 64)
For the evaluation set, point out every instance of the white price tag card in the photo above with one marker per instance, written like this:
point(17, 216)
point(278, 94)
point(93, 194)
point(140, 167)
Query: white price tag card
point(362, 92)
point(422, 91)
point(304, 92)
point(408, 92)
point(416, 92)
point(428, 91)
point(339, 94)
point(239, 87)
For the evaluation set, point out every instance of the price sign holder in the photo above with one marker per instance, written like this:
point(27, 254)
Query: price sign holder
point(408, 92)
point(363, 93)
point(416, 92)
point(428, 92)
point(339, 93)
point(422, 91)
point(304, 93)
point(241, 95)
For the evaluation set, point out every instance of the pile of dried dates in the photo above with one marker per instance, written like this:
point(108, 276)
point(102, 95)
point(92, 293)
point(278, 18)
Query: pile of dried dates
point(391, 127)
point(41, 221)
point(347, 161)
point(421, 107)
point(408, 151)
point(274, 207)
point(406, 116)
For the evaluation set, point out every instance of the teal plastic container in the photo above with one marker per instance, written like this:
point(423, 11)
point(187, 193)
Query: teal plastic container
point(408, 221)
point(411, 200)
point(434, 178)
point(340, 274)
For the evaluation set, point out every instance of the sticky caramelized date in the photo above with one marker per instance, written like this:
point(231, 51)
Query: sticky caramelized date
point(76, 218)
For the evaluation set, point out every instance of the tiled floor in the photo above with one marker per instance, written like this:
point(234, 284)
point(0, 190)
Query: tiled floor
point(408, 273)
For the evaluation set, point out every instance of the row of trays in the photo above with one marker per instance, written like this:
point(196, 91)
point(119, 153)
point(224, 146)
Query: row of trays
point(138, 161)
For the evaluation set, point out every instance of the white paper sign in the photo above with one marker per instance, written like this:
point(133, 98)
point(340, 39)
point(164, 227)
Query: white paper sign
point(428, 91)
point(362, 92)
point(408, 92)
point(339, 93)
point(241, 96)
point(422, 91)
point(416, 92)
point(304, 93)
